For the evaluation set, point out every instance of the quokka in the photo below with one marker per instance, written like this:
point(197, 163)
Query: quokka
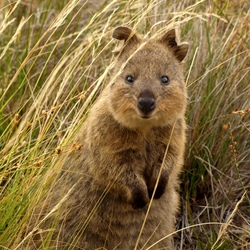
point(134, 133)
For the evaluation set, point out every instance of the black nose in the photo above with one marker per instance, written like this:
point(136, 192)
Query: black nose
point(146, 104)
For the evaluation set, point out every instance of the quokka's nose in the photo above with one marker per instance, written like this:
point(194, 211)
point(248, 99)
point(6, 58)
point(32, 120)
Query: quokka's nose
point(146, 104)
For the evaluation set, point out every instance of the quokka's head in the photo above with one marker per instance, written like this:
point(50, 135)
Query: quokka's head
point(148, 89)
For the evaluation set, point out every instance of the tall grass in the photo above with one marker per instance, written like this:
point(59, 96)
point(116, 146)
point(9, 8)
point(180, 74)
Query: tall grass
point(56, 57)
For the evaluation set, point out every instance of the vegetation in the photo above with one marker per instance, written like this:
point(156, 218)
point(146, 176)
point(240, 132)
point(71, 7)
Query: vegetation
point(56, 56)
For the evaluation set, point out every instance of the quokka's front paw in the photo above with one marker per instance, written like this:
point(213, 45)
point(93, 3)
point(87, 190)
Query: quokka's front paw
point(159, 190)
point(139, 198)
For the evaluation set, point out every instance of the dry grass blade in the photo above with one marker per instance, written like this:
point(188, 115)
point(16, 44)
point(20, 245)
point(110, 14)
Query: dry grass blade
point(224, 227)
point(14, 37)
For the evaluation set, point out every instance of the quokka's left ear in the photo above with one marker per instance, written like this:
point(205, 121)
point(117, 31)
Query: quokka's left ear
point(169, 39)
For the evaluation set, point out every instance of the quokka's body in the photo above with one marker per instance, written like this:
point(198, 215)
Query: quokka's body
point(111, 179)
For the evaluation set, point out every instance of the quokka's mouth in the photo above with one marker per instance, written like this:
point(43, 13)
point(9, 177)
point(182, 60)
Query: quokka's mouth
point(143, 116)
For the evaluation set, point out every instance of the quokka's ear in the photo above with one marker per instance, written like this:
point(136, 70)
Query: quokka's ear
point(126, 34)
point(169, 39)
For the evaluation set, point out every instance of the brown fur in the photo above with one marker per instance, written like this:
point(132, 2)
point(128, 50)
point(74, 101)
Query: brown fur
point(124, 140)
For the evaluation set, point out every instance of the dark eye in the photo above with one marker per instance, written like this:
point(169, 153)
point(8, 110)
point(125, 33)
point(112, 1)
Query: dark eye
point(165, 80)
point(130, 79)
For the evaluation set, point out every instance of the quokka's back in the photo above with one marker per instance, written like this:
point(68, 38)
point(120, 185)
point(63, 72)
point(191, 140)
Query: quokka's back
point(112, 177)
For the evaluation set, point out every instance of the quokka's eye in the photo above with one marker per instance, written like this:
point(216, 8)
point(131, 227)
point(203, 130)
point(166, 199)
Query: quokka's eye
point(165, 80)
point(130, 79)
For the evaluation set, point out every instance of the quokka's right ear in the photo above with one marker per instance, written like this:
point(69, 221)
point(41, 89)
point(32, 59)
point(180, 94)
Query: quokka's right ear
point(126, 34)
